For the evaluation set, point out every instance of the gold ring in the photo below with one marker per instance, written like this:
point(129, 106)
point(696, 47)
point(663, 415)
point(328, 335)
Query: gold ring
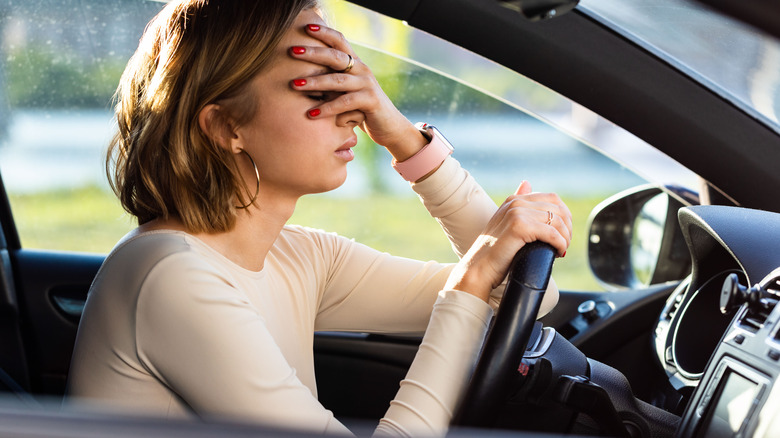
point(550, 217)
point(350, 64)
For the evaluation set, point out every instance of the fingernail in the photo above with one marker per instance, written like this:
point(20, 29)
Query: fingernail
point(299, 82)
point(314, 27)
point(314, 113)
point(298, 50)
point(564, 254)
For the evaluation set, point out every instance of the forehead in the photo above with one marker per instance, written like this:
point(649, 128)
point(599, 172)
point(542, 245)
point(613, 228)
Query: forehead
point(297, 31)
point(297, 36)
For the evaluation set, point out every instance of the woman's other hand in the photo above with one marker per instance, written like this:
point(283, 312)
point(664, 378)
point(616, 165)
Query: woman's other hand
point(523, 218)
point(354, 96)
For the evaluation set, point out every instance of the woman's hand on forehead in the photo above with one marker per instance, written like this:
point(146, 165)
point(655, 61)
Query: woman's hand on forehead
point(353, 94)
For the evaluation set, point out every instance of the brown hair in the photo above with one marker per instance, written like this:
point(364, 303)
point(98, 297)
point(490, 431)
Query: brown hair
point(193, 53)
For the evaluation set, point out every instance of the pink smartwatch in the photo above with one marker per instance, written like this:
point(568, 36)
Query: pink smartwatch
point(427, 158)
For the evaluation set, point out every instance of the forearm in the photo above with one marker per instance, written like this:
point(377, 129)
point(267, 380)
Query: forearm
point(369, 290)
point(435, 382)
point(457, 202)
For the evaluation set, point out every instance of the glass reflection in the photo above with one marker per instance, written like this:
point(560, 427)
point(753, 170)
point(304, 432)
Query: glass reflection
point(647, 237)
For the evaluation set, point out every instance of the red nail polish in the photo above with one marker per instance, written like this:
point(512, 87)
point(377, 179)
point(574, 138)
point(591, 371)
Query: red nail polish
point(314, 113)
point(298, 50)
point(314, 27)
point(564, 254)
point(299, 82)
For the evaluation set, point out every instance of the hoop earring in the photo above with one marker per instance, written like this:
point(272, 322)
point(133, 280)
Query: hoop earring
point(257, 175)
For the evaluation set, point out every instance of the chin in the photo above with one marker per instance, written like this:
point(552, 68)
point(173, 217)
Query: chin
point(339, 181)
point(330, 185)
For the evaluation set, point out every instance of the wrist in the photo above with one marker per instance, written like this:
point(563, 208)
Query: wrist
point(464, 279)
point(423, 163)
point(409, 143)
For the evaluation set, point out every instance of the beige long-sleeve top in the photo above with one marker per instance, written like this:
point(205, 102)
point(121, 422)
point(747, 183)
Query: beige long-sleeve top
point(173, 328)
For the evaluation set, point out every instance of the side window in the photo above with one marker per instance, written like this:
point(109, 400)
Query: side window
point(60, 65)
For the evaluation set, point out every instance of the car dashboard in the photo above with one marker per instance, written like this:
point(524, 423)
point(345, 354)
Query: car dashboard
point(718, 336)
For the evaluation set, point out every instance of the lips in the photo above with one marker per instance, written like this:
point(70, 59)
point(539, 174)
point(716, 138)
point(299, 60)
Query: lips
point(350, 143)
point(345, 150)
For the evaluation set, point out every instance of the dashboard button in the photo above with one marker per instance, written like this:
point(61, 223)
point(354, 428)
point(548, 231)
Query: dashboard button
point(588, 310)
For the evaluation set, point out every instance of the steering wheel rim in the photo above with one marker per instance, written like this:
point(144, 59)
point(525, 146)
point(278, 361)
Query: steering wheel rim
point(496, 370)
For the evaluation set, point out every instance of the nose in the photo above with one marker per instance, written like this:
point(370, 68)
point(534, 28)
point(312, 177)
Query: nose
point(350, 119)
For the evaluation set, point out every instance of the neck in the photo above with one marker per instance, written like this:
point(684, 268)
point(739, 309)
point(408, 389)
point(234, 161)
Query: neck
point(247, 244)
point(257, 228)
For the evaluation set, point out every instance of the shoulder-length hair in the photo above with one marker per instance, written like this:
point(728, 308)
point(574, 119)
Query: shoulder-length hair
point(193, 53)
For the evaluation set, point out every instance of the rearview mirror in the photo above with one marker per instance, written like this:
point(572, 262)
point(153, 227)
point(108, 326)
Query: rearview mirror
point(535, 10)
point(635, 240)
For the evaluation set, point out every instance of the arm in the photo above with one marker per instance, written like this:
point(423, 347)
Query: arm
point(362, 102)
point(463, 209)
point(203, 339)
point(457, 202)
point(441, 369)
point(369, 290)
point(373, 291)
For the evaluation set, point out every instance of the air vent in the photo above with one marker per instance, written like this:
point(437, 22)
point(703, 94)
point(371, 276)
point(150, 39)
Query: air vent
point(760, 301)
point(773, 288)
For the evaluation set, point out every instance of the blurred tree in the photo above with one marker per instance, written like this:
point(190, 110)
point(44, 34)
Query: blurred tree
point(45, 77)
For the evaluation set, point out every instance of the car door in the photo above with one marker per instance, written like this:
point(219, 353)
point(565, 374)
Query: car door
point(59, 68)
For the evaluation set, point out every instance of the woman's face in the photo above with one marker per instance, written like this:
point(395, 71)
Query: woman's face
point(295, 154)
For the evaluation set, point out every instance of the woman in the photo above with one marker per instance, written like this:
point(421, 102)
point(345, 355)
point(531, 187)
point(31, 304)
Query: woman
point(228, 113)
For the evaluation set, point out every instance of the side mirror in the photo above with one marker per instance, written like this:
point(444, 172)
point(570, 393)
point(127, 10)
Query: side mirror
point(635, 240)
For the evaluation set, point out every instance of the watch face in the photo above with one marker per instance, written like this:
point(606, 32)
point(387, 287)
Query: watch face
point(435, 131)
point(429, 131)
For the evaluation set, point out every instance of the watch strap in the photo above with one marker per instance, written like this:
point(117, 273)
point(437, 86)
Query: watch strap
point(427, 158)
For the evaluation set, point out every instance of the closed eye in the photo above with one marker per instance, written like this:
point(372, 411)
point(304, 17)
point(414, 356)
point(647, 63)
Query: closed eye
point(324, 96)
point(320, 97)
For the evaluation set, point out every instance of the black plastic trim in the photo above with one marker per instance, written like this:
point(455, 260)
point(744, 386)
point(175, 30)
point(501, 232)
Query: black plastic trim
point(9, 237)
point(762, 14)
point(398, 9)
point(743, 233)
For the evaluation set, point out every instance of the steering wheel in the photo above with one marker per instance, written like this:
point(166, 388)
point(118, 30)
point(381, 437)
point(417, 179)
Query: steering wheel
point(506, 342)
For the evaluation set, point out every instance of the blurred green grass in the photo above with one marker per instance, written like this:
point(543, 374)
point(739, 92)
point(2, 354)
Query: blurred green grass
point(86, 219)
point(90, 219)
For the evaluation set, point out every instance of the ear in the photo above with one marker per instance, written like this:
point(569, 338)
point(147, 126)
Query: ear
point(216, 125)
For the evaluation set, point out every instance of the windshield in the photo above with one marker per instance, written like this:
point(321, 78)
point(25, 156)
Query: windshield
point(733, 59)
